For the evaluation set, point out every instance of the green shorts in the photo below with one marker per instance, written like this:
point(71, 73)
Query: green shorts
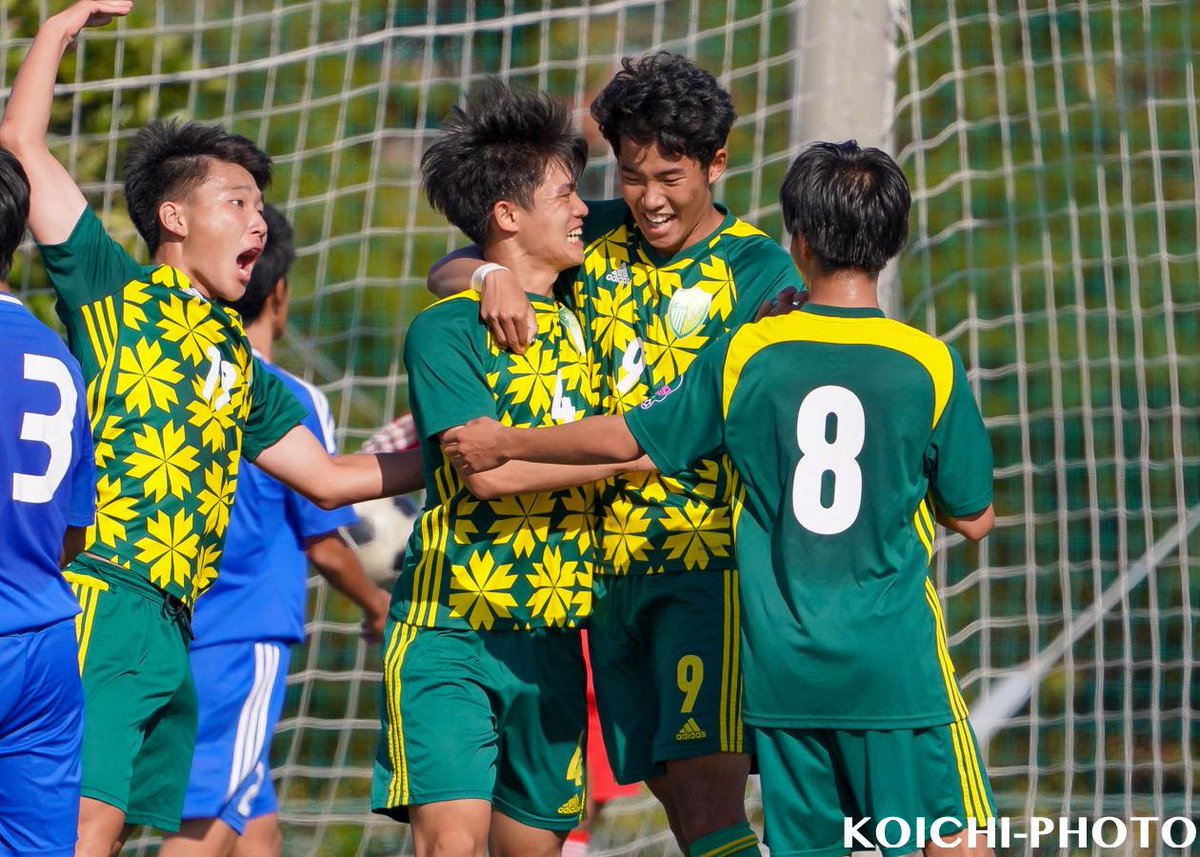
point(498, 716)
point(666, 661)
point(139, 728)
point(815, 779)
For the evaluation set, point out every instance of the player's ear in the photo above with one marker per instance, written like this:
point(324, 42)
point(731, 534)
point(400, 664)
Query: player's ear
point(173, 218)
point(506, 217)
point(716, 167)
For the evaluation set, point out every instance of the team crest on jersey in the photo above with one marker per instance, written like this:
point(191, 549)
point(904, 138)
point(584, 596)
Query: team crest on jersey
point(688, 310)
point(620, 275)
point(571, 323)
point(661, 393)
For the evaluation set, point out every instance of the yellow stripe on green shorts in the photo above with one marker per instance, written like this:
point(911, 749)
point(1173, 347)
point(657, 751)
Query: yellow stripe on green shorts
point(87, 591)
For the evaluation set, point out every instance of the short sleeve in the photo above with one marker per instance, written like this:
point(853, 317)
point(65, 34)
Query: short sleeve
point(308, 519)
point(274, 411)
point(447, 381)
point(761, 274)
point(82, 510)
point(89, 265)
point(685, 420)
point(959, 458)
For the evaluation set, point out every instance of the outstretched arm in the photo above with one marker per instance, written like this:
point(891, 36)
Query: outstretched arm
point(484, 444)
point(55, 201)
point(299, 461)
point(518, 477)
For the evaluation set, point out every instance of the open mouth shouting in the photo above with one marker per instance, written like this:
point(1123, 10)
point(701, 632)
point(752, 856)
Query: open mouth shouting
point(245, 262)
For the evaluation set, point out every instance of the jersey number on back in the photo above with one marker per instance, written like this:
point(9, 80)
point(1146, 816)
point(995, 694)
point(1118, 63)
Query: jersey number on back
point(54, 430)
point(825, 451)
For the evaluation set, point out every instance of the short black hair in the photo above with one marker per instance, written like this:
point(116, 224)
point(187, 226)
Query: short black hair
point(14, 209)
point(272, 266)
point(498, 146)
point(667, 99)
point(168, 159)
point(850, 204)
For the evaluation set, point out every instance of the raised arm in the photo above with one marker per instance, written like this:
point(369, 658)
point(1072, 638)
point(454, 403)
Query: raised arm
point(299, 461)
point(503, 305)
point(55, 201)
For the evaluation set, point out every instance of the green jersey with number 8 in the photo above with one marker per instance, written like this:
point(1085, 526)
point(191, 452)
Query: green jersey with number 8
point(848, 431)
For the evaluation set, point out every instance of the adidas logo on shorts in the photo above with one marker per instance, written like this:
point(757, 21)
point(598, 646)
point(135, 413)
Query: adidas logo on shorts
point(572, 807)
point(691, 731)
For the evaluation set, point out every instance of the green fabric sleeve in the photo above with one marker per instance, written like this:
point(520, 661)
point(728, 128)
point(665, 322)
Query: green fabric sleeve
point(764, 269)
point(684, 421)
point(89, 265)
point(274, 411)
point(447, 380)
point(959, 457)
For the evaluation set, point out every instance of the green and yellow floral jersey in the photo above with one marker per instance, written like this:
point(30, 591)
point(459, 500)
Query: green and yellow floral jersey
point(175, 399)
point(515, 563)
point(647, 318)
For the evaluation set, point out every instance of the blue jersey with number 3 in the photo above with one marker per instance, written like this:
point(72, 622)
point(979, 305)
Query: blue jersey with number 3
point(47, 472)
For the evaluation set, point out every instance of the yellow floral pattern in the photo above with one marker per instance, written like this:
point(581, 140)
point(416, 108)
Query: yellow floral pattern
point(652, 524)
point(517, 562)
point(169, 388)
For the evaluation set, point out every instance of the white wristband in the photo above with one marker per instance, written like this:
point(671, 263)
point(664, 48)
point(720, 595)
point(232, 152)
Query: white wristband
point(481, 272)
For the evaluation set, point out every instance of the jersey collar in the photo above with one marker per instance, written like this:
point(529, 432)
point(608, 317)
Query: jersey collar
point(10, 299)
point(843, 311)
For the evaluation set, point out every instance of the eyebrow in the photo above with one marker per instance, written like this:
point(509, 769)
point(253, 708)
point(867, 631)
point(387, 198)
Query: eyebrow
point(669, 172)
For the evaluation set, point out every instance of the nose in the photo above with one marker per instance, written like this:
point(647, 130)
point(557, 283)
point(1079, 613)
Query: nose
point(259, 224)
point(652, 196)
point(581, 209)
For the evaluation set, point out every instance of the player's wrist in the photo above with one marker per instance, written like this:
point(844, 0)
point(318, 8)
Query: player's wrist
point(479, 278)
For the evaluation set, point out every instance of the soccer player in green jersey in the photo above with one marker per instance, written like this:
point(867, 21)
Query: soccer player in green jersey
point(484, 685)
point(851, 434)
point(176, 401)
point(667, 271)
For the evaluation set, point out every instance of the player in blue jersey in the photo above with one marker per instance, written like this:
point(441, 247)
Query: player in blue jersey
point(47, 499)
point(246, 623)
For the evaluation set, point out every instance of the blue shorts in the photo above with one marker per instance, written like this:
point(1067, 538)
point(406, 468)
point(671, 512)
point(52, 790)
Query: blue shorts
point(41, 733)
point(240, 687)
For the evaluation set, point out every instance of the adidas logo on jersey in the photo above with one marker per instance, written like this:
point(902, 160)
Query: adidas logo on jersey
point(619, 275)
point(572, 807)
point(691, 731)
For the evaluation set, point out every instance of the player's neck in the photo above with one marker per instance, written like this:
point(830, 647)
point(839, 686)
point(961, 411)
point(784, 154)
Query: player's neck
point(534, 276)
point(844, 289)
point(262, 337)
point(5, 289)
point(171, 253)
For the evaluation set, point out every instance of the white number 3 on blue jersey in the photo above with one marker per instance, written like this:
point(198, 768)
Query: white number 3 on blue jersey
point(54, 430)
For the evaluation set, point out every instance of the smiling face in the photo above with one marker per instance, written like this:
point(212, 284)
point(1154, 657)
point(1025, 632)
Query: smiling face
point(670, 196)
point(550, 230)
point(218, 230)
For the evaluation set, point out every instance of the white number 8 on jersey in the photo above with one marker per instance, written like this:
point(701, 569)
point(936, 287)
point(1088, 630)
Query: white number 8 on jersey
point(819, 455)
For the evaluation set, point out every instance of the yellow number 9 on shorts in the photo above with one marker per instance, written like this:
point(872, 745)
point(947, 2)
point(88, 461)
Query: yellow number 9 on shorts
point(689, 674)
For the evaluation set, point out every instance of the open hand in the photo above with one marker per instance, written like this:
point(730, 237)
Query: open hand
point(475, 447)
point(92, 13)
